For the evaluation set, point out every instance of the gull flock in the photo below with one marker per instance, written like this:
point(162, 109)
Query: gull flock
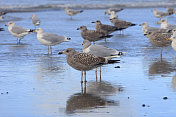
point(94, 56)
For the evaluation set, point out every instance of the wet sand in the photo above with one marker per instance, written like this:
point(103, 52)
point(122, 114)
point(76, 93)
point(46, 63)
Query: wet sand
point(35, 84)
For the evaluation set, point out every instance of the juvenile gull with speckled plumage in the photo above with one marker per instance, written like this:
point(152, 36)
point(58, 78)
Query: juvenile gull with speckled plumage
point(158, 38)
point(84, 61)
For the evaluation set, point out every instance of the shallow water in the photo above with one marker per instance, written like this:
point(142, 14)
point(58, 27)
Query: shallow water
point(42, 85)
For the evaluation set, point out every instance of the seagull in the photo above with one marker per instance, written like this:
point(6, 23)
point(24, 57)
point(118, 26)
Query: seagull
point(92, 35)
point(146, 28)
point(50, 39)
point(35, 20)
point(173, 39)
point(72, 12)
point(107, 29)
point(84, 61)
point(18, 31)
point(170, 10)
point(158, 38)
point(165, 25)
point(159, 14)
point(115, 10)
point(120, 24)
point(100, 51)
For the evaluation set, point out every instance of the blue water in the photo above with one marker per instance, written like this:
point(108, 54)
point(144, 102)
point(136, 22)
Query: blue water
point(42, 85)
point(35, 5)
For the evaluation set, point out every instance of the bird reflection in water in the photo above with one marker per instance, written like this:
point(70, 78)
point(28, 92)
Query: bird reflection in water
point(160, 67)
point(87, 100)
point(173, 86)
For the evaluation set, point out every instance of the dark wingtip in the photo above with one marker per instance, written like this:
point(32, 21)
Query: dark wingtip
point(31, 30)
point(120, 53)
point(81, 11)
point(133, 24)
point(1, 29)
point(113, 61)
point(68, 38)
point(108, 36)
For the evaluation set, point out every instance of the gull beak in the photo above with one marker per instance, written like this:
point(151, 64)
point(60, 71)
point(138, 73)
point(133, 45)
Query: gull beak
point(60, 53)
point(168, 39)
point(6, 24)
point(34, 30)
point(158, 22)
point(92, 22)
point(78, 29)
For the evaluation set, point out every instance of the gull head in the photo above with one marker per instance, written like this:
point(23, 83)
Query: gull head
point(68, 51)
point(82, 28)
point(97, 22)
point(33, 16)
point(114, 18)
point(162, 21)
point(11, 23)
point(86, 44)
point(67, 38)
point(39, 30)
point(174, 31)
point(144, 24)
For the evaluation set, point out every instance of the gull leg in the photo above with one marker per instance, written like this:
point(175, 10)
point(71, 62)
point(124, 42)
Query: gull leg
point(48, 49)
point(17, 40)
point(81, 88)
point(96, 74)
point(20, 39)
point(85, 76)
point(51, 49)
point(161, 53)
point(84, 87)
point(81, 76)
point(100, 73)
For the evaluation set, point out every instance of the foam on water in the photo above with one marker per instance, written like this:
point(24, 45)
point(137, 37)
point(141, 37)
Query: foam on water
point(28, 6)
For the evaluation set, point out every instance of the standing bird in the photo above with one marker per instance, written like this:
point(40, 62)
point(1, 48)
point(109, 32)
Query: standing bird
point(35, 20)
point(107, 29)
point(173, 39)
point(166, 25)
point(18, 31)
point(146, 28)
point(158, 38)
point(50, 39)
point(101, 51)
point(92, 35)
point(170, 10)
point(159, 14)
point(84, 61)
point(72, 12)
point(112, 15)
point(120, 24)
point(1, 14)
point(115, 10)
